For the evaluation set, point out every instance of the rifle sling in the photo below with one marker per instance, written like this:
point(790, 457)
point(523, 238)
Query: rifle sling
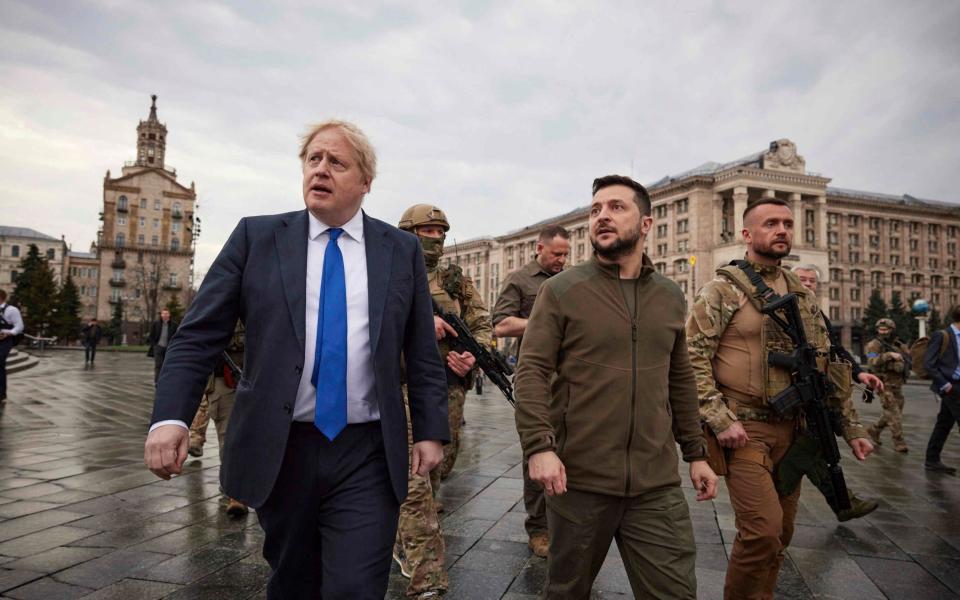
point(763, 292)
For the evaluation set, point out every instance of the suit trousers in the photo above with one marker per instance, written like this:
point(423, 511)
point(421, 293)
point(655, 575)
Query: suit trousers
point(948, 416)
point(331, 518)
point(6, 345)
point(764, 519)
point(653, 532)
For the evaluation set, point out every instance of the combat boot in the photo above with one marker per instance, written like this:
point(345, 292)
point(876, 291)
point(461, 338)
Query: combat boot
point(195, 449)
point(858, 508)
point(539, 544)
point(874, 434)
point(235, 508)
point(900, 446)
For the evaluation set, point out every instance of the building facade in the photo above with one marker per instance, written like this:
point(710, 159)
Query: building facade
point(84, 268)
point(15, 242)
point(145, 246)
point(859, 240)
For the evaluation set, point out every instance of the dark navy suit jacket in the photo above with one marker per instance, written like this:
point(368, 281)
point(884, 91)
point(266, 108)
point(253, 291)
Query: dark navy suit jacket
point(261, 272)
point(941, 367)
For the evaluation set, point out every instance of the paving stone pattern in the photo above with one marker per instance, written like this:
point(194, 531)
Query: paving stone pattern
point(80, 517)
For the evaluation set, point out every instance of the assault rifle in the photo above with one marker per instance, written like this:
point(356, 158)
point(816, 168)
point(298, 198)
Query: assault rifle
point(491, 364)
point(809, 389)
point(235, 371)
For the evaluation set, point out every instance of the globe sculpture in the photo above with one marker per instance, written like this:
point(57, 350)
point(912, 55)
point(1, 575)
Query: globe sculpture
point(920, 307)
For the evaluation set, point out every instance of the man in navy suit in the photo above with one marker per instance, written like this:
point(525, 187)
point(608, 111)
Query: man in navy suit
point(317, 441)
point(943, 365)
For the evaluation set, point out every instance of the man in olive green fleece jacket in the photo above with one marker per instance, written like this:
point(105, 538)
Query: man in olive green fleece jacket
point(604, 391)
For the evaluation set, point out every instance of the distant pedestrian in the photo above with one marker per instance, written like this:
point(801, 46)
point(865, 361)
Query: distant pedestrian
point(161, 332)
point(91, 335)
point(11, 325)
point(943, 365)
point(889, 358)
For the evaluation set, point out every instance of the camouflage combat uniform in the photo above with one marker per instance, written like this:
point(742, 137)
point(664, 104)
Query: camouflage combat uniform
point(454, 292)
point(419, 548)
point(723, 317)
point(880, 358)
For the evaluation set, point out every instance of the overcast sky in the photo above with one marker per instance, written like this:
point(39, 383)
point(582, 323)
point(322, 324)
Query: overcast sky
point(501, 113)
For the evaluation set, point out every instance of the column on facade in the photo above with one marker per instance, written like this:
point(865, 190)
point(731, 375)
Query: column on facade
point(821, 222)
point(739, 205)
point(769, 193)
point(799, 227)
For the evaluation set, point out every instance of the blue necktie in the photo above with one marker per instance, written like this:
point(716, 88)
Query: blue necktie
point(330, 357)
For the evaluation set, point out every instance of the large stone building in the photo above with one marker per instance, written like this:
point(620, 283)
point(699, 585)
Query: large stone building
point(84, 268)
point(146, 244)
point(859, 240)
point(15, 242)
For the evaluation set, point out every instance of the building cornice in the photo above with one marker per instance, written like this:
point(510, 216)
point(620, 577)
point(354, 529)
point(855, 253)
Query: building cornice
point(805, 179)
point(120, 188)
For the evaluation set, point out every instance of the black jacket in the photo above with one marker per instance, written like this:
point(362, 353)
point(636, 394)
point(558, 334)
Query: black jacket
point(156, 329)
point(92, 334)
point(941, 367)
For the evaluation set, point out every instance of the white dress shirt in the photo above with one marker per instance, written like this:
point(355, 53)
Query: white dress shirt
point(361, 397)
point(11, 314)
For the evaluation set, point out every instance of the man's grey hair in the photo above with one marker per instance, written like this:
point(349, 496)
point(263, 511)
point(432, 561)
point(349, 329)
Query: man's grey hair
point(808, 267)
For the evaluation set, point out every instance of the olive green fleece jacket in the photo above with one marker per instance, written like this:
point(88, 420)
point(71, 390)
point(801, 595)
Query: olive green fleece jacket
point(622, 394)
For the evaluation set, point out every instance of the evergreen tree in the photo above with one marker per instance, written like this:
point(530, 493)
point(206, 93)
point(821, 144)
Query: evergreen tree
point(176, 309)
point(934, 322)
point(36, 292)
point(115, 329)
point(876, 310)
point(67, 320)
point(900, 316)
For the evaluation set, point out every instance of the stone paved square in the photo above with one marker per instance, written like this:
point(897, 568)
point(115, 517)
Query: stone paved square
point(80, 517)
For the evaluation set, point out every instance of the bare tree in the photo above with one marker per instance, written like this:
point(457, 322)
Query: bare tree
point(149, 278)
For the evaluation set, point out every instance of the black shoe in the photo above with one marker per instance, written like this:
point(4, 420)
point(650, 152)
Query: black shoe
point(939, 467)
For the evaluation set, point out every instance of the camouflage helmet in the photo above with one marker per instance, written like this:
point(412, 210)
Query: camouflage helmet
point(423, 214)
point(885, 323)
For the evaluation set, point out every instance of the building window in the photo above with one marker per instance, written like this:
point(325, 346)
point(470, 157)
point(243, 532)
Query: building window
point(834, 293)
point(834, 256)
point(897, 279)
point(811, 236)
point(876, 278)
point(682, 245)
point(834, 313)
point(13, 276)
point(155, 240)
point(874, 259)
point(15, 251)
point(854, 239)
point(854, 293)
point(175, 245)
point(894, 243)
point(895, 259)
point(854, 220)
point(682, 205)
point(833, 219)
point(916, 279)
point(854, 256)
point(662, 230)
point(143, 222)
point(809, 218)
point(661, 267)
point(952, 264)
point(832, 238)
point(855, 313)
point(120, 240)
point(895, 226)
point(175, 227)
point(932, 263)
point(932, 246)
point(683, 226)
point(874, 241)
point(121, 220)
point(156, 205)
point(140, 240)
point(661, 211)
point(874, 223)
point(914, 245)
point(143, 203)
point(933, 229)
point(915, 262)
point(156, 223)
point(680, 266)
point(914, 228)
point(51, 254)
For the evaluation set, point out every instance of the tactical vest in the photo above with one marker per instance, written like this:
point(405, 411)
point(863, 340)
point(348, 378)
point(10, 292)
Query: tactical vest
point(772, 338)
point(450, 293)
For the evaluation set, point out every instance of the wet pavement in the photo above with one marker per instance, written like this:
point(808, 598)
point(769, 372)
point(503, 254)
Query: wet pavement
point(80, 517)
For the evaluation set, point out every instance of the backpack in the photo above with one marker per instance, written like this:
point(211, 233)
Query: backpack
point(919, 348)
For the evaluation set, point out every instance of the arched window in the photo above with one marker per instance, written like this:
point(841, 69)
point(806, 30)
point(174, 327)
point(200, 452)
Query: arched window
point(120, 240)
point(122, 203)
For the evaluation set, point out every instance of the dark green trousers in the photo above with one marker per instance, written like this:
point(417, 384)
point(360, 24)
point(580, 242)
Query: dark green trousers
point(804, 458)
point(653, 533)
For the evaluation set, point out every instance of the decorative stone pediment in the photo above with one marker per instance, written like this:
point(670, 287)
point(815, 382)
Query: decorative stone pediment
point(783, 156)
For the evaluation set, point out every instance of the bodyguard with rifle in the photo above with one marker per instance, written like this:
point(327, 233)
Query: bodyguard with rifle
point(761, 356)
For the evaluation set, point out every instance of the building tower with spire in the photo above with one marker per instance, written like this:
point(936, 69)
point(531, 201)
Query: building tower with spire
point(145, 245)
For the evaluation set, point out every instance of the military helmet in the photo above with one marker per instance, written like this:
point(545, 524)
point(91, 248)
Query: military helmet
point(423, 214)
point(886, 323)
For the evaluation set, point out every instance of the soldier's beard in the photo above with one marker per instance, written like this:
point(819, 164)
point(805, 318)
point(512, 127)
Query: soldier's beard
point(769, 252)
point(620, 247)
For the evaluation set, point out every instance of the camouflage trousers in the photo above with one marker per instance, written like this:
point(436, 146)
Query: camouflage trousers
point(456, 397)
point(217, 404)
point(419, 534)
point(892, 402)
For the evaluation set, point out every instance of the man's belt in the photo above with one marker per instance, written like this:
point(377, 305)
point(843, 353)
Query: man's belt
point(753, 408)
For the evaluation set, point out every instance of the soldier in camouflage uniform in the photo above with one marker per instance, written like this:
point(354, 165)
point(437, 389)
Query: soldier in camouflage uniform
point(889, 359)
point(419, 548)
point(729, 339)
point(217, 403)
